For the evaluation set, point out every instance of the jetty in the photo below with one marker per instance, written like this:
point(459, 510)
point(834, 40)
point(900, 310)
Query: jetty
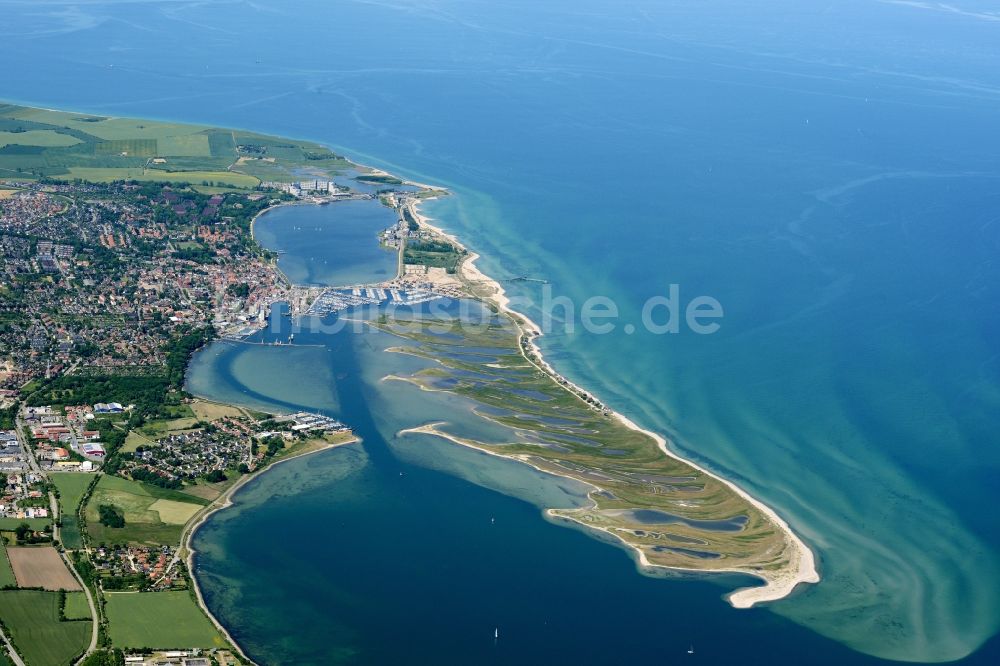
point(274, 343)
point(343, 298)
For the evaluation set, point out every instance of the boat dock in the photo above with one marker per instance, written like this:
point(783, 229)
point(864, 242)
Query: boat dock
point(309, 422)
point(335, 300)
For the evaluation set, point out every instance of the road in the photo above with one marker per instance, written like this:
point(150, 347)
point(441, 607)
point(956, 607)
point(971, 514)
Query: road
point(95, 622)
point(29, 455)
point(33, 467)
point(11, 652)
point(54, 511)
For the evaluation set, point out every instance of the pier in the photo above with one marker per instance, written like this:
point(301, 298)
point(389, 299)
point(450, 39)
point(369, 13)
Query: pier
point(525, 278)
point(343, 298)
point(275, 343)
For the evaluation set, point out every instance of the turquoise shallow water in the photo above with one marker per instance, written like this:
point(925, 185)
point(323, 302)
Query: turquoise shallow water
point(408, 549)
point(827, 172)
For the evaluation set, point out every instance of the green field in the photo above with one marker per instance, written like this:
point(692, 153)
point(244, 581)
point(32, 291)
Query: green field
point(159, 620)
point(191, 145)
point(6, 573)
point(134, 440)
point(144, 523)
point(46, 138)
point(37, 143)
point(107, 175)
point(71, 486)
point(10, 524)
point(101, 127)
point(32, 617)
point(77, 607)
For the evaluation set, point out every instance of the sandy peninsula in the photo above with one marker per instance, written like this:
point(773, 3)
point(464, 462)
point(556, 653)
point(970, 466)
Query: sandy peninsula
point(778, 584)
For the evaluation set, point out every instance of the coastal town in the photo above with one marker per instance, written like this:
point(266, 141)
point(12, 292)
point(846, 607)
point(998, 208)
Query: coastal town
point(112, 465)
point(106, 462)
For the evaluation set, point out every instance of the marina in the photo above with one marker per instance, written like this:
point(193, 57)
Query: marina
point(312, 422)
point(333, 301)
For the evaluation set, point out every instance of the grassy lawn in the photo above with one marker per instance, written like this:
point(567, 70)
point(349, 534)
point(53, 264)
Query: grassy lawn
point(33, 620)
point(6, 573)
point(159, 620)
point(71, 486)
point(156, 429)
point(134, 440)
point(153, 516)
point(76, 606)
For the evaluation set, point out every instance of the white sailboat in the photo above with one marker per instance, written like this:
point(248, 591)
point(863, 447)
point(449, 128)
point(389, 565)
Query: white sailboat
point(691, 650)
point(496, 633)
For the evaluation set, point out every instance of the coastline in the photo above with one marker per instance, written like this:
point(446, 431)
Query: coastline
point(274, 262)
point(775, 587)
point(221, 503)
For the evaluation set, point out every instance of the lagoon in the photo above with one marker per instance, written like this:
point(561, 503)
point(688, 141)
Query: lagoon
point(409, 549)
point(331, 245)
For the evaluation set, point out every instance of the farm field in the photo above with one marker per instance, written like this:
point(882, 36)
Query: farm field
point(36, 143)
point(106, 175)
point(210, 411)
point(6, 573)
point(101, 127)
point(41, 567)
point(32, 617)
point(142, 505)
point(76, 606)
point(210, 491)
point(168, 620)
point(71, 486)
point(175, 513)
point(36, 138)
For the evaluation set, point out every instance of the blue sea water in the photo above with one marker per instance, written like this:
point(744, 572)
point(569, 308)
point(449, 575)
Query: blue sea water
point(827, 172)
point(330, 245)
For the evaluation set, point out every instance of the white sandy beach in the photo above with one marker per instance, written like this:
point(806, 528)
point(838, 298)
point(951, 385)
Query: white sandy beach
point(779, 584)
